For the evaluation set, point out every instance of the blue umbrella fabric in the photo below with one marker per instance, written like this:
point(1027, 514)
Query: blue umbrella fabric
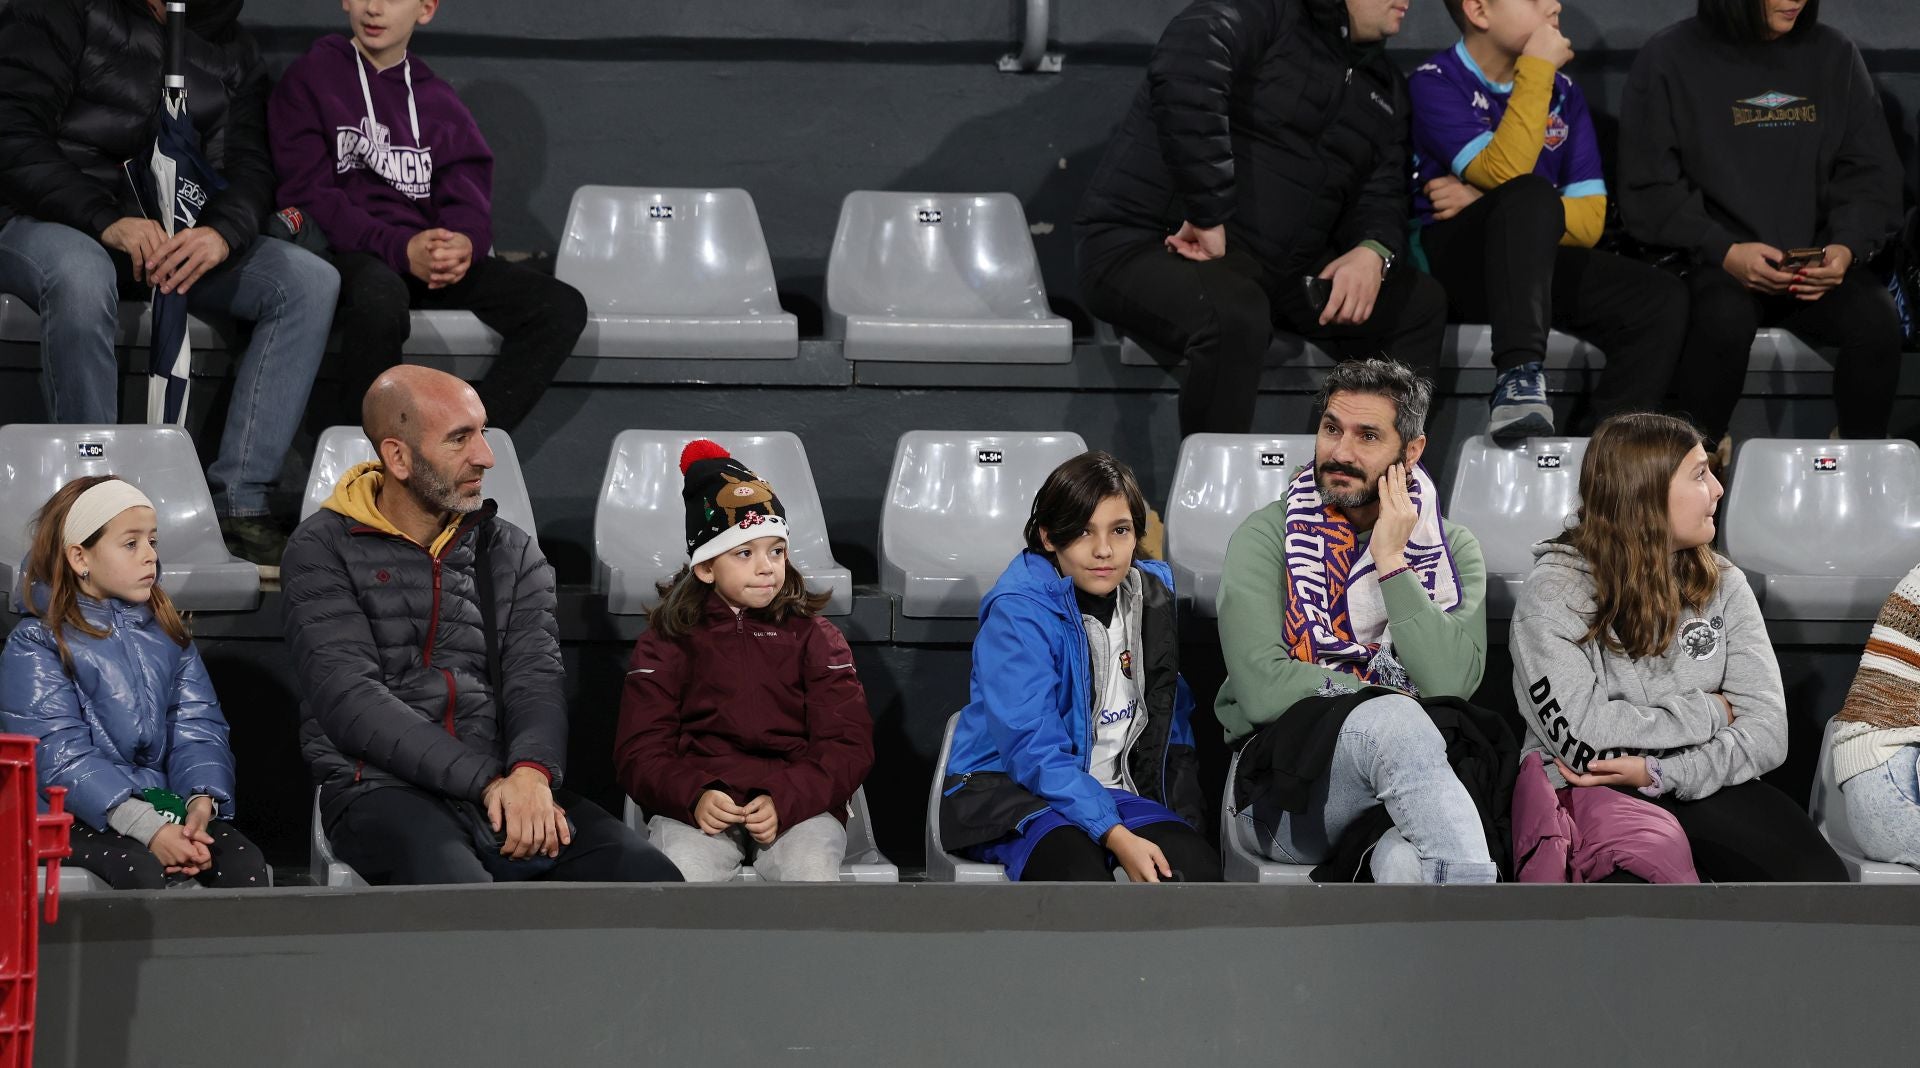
point(181, 181)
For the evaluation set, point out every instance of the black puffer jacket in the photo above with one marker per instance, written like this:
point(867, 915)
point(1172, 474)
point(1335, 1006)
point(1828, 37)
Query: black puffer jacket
point(79, 90)
point(1258, 114)
point(392, 660)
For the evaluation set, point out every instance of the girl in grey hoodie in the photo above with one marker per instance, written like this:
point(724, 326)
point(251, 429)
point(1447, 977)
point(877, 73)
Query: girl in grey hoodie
point(1641, 660)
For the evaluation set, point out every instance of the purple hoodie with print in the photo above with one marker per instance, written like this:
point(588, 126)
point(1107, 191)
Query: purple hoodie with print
point(374, 168)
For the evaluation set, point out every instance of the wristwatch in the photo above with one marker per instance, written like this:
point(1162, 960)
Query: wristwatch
point(1386, 256)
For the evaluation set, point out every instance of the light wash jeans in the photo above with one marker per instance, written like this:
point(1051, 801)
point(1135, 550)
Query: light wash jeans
point(1388, 753)
point(808, 852)
point(1883, 808)
point(286, 292)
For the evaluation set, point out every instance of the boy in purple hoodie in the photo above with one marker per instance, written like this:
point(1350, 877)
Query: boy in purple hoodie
point(389, 163)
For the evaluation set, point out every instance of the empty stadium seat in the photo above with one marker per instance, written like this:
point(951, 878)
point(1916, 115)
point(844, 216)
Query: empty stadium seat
point(341, 447)
point(639, 525)
point(1240, 864)
point(323, 867)
point(1823, 528)
point(1829, 810)
point(941, 277)
point(1511, 499)
point(1219, 481)
point(956, 505)
point(195, 567)
point(942, 866)
point(673, 273)
point(864, 862)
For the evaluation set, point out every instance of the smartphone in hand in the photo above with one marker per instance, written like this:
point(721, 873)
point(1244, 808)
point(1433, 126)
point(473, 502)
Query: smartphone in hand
point(1797, 258)
point(1319, 291)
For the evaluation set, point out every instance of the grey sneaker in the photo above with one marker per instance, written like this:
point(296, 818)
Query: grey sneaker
point(1519, 407)
point(254, 538)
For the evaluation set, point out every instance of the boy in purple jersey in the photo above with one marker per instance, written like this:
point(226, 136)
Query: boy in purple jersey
point(1509, 201)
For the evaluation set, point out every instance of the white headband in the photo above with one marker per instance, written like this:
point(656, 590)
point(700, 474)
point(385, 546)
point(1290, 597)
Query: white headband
point(98, 505)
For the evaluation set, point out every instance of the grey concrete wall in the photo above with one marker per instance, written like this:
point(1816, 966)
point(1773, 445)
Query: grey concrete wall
point(970, 975)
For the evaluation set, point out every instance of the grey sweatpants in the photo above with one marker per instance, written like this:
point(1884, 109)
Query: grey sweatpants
point(809, 852)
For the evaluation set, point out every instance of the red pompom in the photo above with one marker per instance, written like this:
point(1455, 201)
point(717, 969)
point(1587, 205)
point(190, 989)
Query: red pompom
point(700, 449)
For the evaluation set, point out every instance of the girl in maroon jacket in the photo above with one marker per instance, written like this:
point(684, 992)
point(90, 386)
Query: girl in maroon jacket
point(743, 728)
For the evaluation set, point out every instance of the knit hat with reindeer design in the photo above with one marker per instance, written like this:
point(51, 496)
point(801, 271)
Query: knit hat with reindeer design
point(727, 505)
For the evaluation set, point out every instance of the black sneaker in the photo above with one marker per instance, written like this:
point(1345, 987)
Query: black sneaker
point(254, 538)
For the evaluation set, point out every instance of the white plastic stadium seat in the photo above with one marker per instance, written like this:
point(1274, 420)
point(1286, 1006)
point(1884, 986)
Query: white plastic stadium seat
point(341, 447)
point(1219, 481)
point(942, 866)
point(674, 273)
point(325, 868)
point(1824, 529)
point(1511, 499)
point(864, 862)
point(1240, 864)
point(957, 503)
point(639, 525)
point(940, 277)
point(195, 567)
point(1829, 810)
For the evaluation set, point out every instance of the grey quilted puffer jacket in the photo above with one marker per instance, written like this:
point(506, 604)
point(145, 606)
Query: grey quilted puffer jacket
point(392, 659)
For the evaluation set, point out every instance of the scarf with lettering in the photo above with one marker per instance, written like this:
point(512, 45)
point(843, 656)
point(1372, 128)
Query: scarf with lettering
point(1335, 615)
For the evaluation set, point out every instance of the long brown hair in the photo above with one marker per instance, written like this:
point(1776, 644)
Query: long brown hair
point(683, 601)
point(47, 566)
point(1640, 584)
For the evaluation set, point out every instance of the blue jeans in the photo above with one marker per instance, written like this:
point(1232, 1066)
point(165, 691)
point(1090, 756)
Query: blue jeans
point(1388, 753)
point(286, 292)
point(1883, 808)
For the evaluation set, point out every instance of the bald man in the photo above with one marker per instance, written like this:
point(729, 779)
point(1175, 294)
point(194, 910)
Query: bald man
point(438, 741)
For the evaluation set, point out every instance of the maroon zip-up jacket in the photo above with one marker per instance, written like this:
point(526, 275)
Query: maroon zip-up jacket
point(749, 706)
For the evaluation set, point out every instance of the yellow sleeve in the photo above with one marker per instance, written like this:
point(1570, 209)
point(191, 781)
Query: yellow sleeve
point(1522, 132)
point(1586, 217)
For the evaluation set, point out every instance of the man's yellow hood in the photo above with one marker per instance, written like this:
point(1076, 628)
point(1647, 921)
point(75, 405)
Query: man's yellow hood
point(357, 495)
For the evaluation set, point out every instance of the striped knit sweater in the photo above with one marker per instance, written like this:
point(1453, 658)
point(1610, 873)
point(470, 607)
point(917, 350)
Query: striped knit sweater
point(1882, 712)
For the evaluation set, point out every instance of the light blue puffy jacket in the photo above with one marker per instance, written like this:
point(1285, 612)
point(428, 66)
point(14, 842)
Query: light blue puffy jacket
point(139, 711)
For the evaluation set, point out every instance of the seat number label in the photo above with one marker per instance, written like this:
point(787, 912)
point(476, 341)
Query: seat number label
point(1826, 463)
point(92, 449)
point(990, 456)
point(1273, 459)
point(660, 211)
point(928, 216)
point(1547, 461)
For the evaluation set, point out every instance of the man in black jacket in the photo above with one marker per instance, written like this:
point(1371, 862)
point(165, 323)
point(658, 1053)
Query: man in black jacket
point(79, 92)
point(1260, 179)
point(434, 715)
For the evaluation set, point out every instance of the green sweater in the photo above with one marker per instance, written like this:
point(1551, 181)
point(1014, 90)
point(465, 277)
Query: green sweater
point(1444, 653)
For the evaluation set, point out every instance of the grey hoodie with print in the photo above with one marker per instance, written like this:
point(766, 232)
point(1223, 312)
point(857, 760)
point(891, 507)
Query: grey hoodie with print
point(1583, 701)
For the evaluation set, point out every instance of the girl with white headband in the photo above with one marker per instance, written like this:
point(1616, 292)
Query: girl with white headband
point(104, 674)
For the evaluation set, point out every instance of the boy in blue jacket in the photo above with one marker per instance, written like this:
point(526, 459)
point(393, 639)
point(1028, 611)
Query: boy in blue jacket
point(1075, 755)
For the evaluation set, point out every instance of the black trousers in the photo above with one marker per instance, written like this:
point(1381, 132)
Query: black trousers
point(1068, 855)
point(1501, 263)
point(128, 865)
point(1753, 833)
point(401, 836)
point(1857, 317)
point(538, 317)
point(1220, 317)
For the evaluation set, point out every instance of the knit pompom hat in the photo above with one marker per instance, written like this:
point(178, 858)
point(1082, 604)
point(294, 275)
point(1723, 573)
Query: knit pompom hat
point(727, 505)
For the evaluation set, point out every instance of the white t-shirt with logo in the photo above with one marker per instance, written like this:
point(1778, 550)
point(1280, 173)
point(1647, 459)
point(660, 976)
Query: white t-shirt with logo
point(1119, 704)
